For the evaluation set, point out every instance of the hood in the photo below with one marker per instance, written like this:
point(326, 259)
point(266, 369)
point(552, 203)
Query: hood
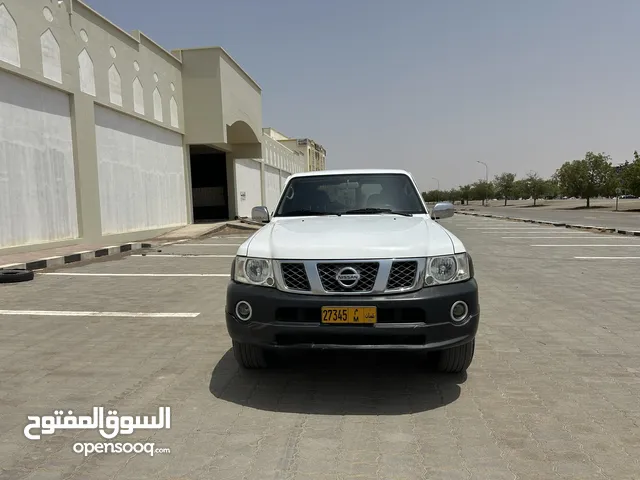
point(350, 237)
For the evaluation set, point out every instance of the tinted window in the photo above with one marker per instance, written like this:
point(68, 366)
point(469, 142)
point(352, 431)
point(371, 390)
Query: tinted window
point(330, 194)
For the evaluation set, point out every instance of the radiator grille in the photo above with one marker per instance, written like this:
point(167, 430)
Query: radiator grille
point(295, 276)
point(402, 275)
point(368, 271)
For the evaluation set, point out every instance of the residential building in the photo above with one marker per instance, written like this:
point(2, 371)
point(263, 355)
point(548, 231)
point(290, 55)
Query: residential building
point(314, 154)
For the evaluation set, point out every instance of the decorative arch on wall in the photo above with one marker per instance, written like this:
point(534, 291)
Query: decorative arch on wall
point(138, 96)
point(9, 43)
point(157, 105)
point(87, 76)
point(51, 60)
point(115, 86)
point(173, 110)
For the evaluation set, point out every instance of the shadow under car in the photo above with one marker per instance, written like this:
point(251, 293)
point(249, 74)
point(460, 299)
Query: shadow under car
point(338, 383)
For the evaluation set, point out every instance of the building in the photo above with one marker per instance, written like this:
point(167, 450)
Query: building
point(107, 137)
point(314, 153)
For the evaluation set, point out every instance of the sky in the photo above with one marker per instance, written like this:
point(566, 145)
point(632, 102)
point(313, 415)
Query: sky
point(428, 86)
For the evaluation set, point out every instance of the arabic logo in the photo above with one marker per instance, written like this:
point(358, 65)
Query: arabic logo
point(108, 426)
point(347, 277)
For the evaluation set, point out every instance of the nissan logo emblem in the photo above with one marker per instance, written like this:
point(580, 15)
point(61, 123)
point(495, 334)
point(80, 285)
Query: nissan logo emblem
point(347, 277)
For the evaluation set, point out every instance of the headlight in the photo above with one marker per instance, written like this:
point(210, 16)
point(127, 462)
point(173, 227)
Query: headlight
point(447, 269)
point(254, 271)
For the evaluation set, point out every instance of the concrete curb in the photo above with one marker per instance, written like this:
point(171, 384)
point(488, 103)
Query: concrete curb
point(246, 224)
point(58, 261)
point(172, 237)
point(590, 228)
point(221, 227)
point(250, 222)
point(165, 240)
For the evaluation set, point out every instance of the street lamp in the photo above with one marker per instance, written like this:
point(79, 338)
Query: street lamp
point(437, 191)
point(486, 180)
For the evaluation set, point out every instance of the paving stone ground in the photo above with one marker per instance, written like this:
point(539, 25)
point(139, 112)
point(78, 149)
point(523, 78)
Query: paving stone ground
point(570, 211)
point(553, 392)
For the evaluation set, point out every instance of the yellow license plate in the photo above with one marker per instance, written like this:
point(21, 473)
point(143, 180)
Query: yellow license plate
point(361, 315)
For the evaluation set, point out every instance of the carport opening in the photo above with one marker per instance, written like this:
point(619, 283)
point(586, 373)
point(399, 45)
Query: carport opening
point(209, 190)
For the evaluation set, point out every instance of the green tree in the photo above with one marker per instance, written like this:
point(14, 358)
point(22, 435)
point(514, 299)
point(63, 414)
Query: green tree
point(481, 190)
point(630, 176)
point(587, 178)
point(551, 188)
point(519, 189)
point(535, 186)
point(504, 184)
point(572, 178)
point(452, 195)
point(432, 196)
point(465, 193)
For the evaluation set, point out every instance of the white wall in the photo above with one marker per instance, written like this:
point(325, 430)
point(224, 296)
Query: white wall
point(37, 177)
point(279, 156)
point(248, 185)
point(141, 169)
point(279, 163)
point(9, 40)
point(272, 187)
point(283, 179)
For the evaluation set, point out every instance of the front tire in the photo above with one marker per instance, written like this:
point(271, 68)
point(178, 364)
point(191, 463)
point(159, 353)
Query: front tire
point(249, 356)
point(456, 359)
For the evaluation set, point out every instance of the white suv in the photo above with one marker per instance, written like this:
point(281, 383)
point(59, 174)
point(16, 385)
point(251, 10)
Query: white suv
point(352, 259)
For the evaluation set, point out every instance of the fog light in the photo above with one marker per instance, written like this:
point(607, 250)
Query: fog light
point(459, 311)
point(243, 310)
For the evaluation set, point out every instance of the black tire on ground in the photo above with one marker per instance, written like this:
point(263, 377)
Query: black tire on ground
point(14, 276)
point(249, 356)
point(456, 359)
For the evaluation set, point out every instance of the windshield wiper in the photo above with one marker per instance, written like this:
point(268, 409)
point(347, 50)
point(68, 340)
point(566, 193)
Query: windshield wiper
point(295, 213)
point(378, 210)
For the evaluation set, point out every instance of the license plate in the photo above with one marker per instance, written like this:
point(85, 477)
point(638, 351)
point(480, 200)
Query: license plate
point(360, 315)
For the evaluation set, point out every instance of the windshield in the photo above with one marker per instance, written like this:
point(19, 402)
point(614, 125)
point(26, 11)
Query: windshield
point(353, 194)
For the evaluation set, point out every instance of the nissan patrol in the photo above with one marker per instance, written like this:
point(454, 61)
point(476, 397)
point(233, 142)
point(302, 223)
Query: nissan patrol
point(352, 259)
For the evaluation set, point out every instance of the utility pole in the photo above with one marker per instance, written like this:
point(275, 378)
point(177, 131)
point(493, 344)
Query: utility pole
point(486, 181)
point(437, 191)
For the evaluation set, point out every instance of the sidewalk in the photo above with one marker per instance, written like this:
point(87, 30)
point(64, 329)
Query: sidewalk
point(53, 257)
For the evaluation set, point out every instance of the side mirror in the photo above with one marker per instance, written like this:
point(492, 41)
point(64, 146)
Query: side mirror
point(442, 210)
point(260, 214)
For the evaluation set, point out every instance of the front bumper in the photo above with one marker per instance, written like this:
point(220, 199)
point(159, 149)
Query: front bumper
point(413, 321)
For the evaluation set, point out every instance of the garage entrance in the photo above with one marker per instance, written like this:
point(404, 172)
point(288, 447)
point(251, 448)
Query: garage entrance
point(209, 184)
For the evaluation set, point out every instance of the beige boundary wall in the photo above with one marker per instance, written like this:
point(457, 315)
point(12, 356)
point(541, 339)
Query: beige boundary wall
point(94, 130)
point(81, 104)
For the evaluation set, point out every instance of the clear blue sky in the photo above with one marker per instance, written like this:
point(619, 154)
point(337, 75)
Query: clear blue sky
point(429, 86)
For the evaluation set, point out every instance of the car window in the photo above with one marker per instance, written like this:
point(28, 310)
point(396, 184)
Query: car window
point(340, 194)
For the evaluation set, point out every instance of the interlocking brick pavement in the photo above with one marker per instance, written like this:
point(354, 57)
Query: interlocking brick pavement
point(552, 393)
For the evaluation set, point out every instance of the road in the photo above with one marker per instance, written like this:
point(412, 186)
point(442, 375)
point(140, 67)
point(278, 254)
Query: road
point(594, 217)
point(553, 391)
